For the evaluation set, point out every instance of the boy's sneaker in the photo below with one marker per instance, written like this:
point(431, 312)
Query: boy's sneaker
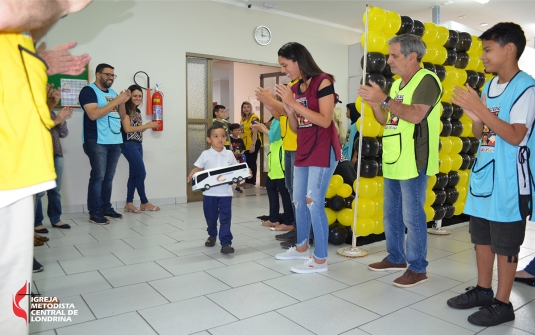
point(292, 253)
point(386, 265)
point(113, 214)
point(473, 297)
point(37, 267)
point(210, 242)
point(410, 278)
point(493, 315)
point(309, 266)
point(239, 190)
point(288, 236)
point(98, 219)
point(227, 249)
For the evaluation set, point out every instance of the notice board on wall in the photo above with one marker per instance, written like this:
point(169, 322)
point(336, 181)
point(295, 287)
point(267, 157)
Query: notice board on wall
point(70, 87)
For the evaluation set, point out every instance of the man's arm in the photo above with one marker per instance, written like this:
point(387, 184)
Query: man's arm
point(93, 112)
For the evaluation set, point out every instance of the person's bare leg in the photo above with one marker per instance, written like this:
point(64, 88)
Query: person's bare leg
point(485, 262)
point(506, 277)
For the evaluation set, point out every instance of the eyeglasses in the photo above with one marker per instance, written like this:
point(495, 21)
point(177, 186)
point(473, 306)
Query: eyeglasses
point(109, 75)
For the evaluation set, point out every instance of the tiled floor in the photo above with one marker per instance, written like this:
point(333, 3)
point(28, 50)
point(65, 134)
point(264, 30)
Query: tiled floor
point(151, 274)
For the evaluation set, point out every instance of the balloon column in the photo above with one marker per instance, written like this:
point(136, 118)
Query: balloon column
point(338, 200)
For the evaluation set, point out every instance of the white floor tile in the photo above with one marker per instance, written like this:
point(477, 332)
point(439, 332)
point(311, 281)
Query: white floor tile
point(54, 254)
point(454, 270)
point(84, 315)
point(133, 274)
point(188, 235)
point(434, 285)
point(186, 317)
point(524, 319)
point(503, 330)
point(265, 324)
point(250, 300)
point(378, 297)
point(241, 254)
point(328, 315)
point(305, 286)
point(149, 241)
point(142, 255)
point(100, 248)
point(72, 285)
point(155, 229)
point(188, 286)
point(190, 247)
point(71, 240)
point(409, 321)
point(125, 324)
point(116, 234)
point(122, 300)
point(187, 264)
point(352, 273)
point(52, 269)
point(90, 263)
point(243, 274)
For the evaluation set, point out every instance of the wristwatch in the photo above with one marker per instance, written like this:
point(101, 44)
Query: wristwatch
point(384, 104)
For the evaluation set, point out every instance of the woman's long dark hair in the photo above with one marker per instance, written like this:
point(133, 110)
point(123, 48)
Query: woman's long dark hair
point(298, 53)
point(129, 105)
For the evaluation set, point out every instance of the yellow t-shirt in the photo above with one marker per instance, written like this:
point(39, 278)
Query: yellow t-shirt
point(289, 137)
point(247, 134)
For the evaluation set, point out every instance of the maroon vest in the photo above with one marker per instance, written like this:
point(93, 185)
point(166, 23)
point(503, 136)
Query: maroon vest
point(314, 143)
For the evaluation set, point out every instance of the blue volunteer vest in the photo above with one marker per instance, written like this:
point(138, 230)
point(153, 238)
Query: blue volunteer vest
point(493, 193)
point(109, 125)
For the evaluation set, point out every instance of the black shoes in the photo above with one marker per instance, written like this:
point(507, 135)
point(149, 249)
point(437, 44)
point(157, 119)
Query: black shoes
point(98, 219)
point(37, 267)
point(288, 236)
point(473, 297)
point(210, 242)
point(493, 315)
point(227, 249)
point(528, 281)
point(113, 214)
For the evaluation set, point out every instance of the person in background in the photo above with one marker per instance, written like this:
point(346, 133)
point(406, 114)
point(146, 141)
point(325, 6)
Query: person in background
point(252, 141)
point(237, 146)
point(219, 114)
point(352, 134)
point(132, 149)
point(527, 276)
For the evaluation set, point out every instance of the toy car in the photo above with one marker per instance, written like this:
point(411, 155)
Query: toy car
point(206, 179)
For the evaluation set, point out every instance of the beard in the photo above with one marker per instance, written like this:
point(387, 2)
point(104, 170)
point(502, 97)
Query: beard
point(104, 83)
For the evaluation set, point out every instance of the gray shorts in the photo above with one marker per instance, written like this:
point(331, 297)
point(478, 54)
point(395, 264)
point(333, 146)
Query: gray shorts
point(505, 238)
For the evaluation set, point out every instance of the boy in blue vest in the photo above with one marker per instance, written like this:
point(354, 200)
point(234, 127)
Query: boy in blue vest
point(501, 189)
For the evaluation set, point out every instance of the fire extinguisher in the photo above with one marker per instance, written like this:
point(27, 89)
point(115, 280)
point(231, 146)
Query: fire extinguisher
point(157, 109)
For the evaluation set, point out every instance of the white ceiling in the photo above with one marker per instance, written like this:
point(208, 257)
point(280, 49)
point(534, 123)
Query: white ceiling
point(349, 13)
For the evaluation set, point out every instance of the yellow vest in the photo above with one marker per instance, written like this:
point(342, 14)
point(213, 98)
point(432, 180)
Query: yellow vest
point(399, 158)
point(247, 135)
point(25, 140)
point(289, 137)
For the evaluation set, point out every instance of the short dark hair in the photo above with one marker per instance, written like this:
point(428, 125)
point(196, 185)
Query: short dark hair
point(129, 104)
point(103, 66)
point(213, 127)
point(233, 126)
point(506, 32)
point(307, 65)
point(216, 109)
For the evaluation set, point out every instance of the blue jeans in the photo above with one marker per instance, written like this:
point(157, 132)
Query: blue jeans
point(214, 208)
point(312, 182)
point(103, 159)
point(404, 207)
point(54, 198)
point(133, 151)
point(289, 161)
point(531, 267)
point(273, 188)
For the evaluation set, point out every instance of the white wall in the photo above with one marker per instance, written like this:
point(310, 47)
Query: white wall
point(154, 36)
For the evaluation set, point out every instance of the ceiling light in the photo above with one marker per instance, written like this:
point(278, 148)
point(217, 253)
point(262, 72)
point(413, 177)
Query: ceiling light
point(463, 17)
point(482, 1)
point(447, 3)
point(484, 24)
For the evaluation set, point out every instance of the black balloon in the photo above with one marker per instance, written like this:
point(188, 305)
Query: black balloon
point(349, 236)
point(456, 128)
point(472, 78)
point(439, 144)
point(379, 161)
point(418, 28)
point(375, 63)
point(464, 43)
point(337, 203)
point(453, 38)
point(466, 144)
point(472, 161)
point(326, 203)
point(452, 195)
point(466, 162)
point(440, 196)
point(447, 110)
point(440, 212)
point(387, 72)
point(337, 234)
point(407, 24)
point(369, 168)
point(430, 67)
point(481, 81)
point(440, 71)
point(370, 146)
point(453, 178)
point(457, 112)
point(442, 180)
point(449, 210)
point(389, 81)
point(377, 78)
point(452, 57)
point(446, 128)
point(474, 145)
point(462, 60)
point(349, 201)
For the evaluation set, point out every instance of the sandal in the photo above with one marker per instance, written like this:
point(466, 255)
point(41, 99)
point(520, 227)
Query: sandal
point(282, 227)
point(149, 207)
point(129, 207)
point(40, 238)
point(268, 223)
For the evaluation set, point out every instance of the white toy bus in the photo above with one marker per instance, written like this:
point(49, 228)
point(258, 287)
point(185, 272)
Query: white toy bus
point(206, 179)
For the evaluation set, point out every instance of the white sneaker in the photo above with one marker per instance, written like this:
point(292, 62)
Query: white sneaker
point(292, 253)
point(309, 266)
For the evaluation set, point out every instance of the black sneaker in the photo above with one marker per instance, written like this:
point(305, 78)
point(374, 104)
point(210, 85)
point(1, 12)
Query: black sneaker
point(239, 190)
point(227, 249)
point(473, 297)
point(288, 244)
point(37, 267)
point(98, 219)
point(288, 236)
point(493, 315)
point(113, 214)
point(210, 242)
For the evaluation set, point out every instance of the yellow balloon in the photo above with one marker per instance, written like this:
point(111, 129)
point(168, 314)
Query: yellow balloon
point(446, 145)
point(456, 144)
point(379, 205)
point(380, 185)
point(445, 163)
point(459, 208)
point(365, 226)
point(344, 190)
point(430, 54)
point(476, 44)
point(429, 213)
point(442, 36)
point(331, 191)
point(368, 110)
point(345, 217)
point(462, 77)
point(393, 23)
point(430, 33)
point(370, 128)
point(379, 226)
point(442, 55)
point(480, 67)
point(376, 18)
point(463, 178)
point(462, 193)
point(376, 41)
point(441, 126)
point(367, 188)
point(467, 127)
point(456, 161)
point(431, 182)
point(489, 76)
point(331, 216)
point(337, 180)
point(473, 63)
point(366, 208)
point(447, 94)
point(451, 74)
point(430, 197)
